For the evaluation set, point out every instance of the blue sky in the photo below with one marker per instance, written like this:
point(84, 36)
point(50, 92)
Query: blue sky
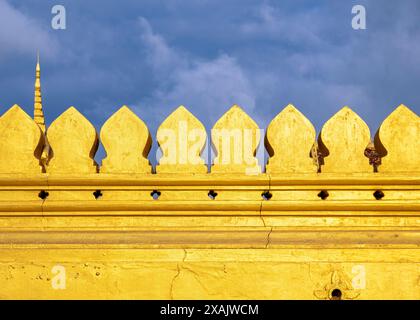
point(209, 54)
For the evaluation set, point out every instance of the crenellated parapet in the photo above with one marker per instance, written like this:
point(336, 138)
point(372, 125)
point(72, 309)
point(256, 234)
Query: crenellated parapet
point(319, 213)
point(290, 140)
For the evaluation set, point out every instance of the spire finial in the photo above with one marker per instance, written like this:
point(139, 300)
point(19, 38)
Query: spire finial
point(38, 112)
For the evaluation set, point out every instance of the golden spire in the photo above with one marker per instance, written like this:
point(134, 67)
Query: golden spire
point(38, 113)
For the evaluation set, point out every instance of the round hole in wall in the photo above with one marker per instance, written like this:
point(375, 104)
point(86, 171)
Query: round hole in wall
point(378, 194)
point(336, 294)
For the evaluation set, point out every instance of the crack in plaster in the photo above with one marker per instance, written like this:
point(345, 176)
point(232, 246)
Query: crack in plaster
point(178, 267)
point(198, 276)
point(262, 201)
point(261, 214)
point(268, 237)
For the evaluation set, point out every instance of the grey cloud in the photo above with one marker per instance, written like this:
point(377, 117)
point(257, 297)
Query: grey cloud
point(208, 85)
point(208, 55)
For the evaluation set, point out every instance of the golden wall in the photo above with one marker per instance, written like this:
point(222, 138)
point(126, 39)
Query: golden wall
point(333, 216)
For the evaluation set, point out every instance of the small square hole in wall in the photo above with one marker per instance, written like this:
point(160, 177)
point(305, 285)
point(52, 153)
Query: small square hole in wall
point(212, 194)
point(323, 194)
point(266, 195)
point(155, 194)
point(43, 194)
point(97, 194)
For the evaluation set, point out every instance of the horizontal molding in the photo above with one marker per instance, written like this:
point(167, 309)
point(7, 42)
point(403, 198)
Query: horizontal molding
point(150, 180)
point(203, 208)
point(219, 238)
point(76, 254)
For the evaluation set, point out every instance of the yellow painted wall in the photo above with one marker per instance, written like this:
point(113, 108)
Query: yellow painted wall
point(329, 218)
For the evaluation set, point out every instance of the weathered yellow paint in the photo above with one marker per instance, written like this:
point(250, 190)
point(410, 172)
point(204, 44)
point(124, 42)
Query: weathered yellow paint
point(299, 273)
point(342, 140)
point(398, 134)
point(74, 142)
point(185, 245)
point(235, 138)
point(21, 142)
point(127, 143)
point(292, 135)
point(182, 138)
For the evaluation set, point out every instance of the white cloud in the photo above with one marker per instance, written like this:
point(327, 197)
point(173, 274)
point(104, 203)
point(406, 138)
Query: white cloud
point(20, 33)
point(210, 86)
point(273, 23)
point(160, 55)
